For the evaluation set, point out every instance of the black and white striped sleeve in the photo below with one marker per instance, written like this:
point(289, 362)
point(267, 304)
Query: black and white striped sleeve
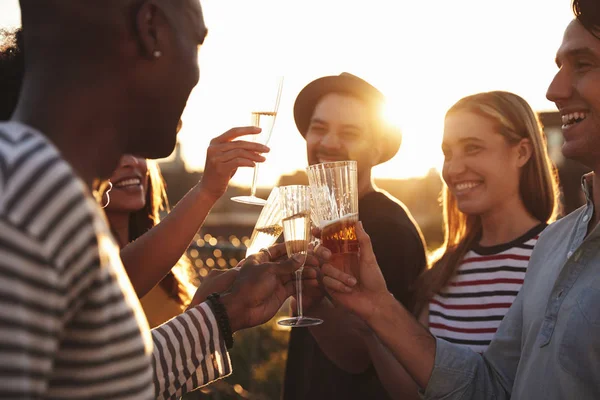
point(70, 324)
point(188, 353)
point(31, 310)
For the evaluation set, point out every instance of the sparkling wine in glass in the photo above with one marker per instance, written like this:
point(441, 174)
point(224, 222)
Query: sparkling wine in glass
point(295, 208)
point(268, 226)
point(265, 119)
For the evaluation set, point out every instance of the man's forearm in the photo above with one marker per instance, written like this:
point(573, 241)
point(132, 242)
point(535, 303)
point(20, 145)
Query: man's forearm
point(460, 373)
point(445, 370)
point(410, 343)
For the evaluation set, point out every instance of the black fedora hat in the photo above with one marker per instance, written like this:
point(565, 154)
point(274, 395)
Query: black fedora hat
point(346, 83)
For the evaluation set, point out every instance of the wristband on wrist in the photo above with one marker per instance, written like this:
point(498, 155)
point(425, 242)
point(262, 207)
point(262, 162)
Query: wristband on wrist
point(222, 318)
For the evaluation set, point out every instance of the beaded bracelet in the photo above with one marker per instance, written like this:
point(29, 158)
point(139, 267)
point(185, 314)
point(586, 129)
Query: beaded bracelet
point(222, 318)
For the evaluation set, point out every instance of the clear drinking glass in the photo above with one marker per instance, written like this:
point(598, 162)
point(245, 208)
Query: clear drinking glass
point(268, 226)
point(295, 213)
point(264, 117)
point(334, 191)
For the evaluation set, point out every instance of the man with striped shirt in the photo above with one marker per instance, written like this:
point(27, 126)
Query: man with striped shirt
point(97, 85)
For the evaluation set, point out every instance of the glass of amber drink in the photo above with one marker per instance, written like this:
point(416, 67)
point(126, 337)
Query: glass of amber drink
point(334, 192)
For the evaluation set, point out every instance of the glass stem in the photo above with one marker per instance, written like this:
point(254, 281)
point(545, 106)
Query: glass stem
point(299, 292)
point(254, 179)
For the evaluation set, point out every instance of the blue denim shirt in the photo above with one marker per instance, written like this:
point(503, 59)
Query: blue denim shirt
point(548, 345)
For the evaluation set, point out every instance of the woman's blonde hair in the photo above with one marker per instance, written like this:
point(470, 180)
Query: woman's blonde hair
point(538, 186)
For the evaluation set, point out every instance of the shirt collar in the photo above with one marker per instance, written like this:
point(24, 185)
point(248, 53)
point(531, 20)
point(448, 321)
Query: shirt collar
point(587, 182)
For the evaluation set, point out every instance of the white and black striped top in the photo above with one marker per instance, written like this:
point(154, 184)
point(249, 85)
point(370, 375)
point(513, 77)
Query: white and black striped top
point(70, 323)
point(469, 310)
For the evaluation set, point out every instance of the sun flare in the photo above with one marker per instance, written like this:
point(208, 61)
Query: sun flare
point(422, 65)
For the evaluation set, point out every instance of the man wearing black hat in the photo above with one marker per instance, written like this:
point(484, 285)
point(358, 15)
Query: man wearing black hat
point(340, 118)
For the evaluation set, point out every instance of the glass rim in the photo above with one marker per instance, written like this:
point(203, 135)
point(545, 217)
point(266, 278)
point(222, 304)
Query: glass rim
point(333, 164)
point(292, 186)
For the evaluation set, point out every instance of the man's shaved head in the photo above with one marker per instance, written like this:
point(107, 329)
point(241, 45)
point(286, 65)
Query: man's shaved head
point(133, 62)
point(73, 28)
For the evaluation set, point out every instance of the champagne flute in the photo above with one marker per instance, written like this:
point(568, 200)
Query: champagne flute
point(295, 209)
point(268, 226)
point(265, 119)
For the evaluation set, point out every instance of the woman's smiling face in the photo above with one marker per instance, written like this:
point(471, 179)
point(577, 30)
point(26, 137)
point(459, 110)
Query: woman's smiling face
point(481, 167)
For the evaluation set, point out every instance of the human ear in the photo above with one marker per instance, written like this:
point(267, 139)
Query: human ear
point(524, 151)
point(150, 29)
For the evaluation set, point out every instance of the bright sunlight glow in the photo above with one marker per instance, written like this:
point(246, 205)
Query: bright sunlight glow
point(423, 56)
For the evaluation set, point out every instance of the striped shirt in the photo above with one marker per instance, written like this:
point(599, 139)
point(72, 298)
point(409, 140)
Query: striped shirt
point(469, 310)
point(71, 325)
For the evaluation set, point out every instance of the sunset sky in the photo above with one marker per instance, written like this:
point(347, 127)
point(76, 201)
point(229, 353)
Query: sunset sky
point(423, 55)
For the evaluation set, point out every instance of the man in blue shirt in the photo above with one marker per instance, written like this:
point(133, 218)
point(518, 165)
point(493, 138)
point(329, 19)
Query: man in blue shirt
point(548, 345)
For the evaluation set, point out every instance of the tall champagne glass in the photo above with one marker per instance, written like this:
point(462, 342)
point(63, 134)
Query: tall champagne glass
point(265, 119)
point(295, 212)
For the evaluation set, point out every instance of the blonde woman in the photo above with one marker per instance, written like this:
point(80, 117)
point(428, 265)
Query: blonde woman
point(500, 193)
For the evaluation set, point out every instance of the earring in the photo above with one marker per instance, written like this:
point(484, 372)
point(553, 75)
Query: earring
point(157, 54)
point(110, 186)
